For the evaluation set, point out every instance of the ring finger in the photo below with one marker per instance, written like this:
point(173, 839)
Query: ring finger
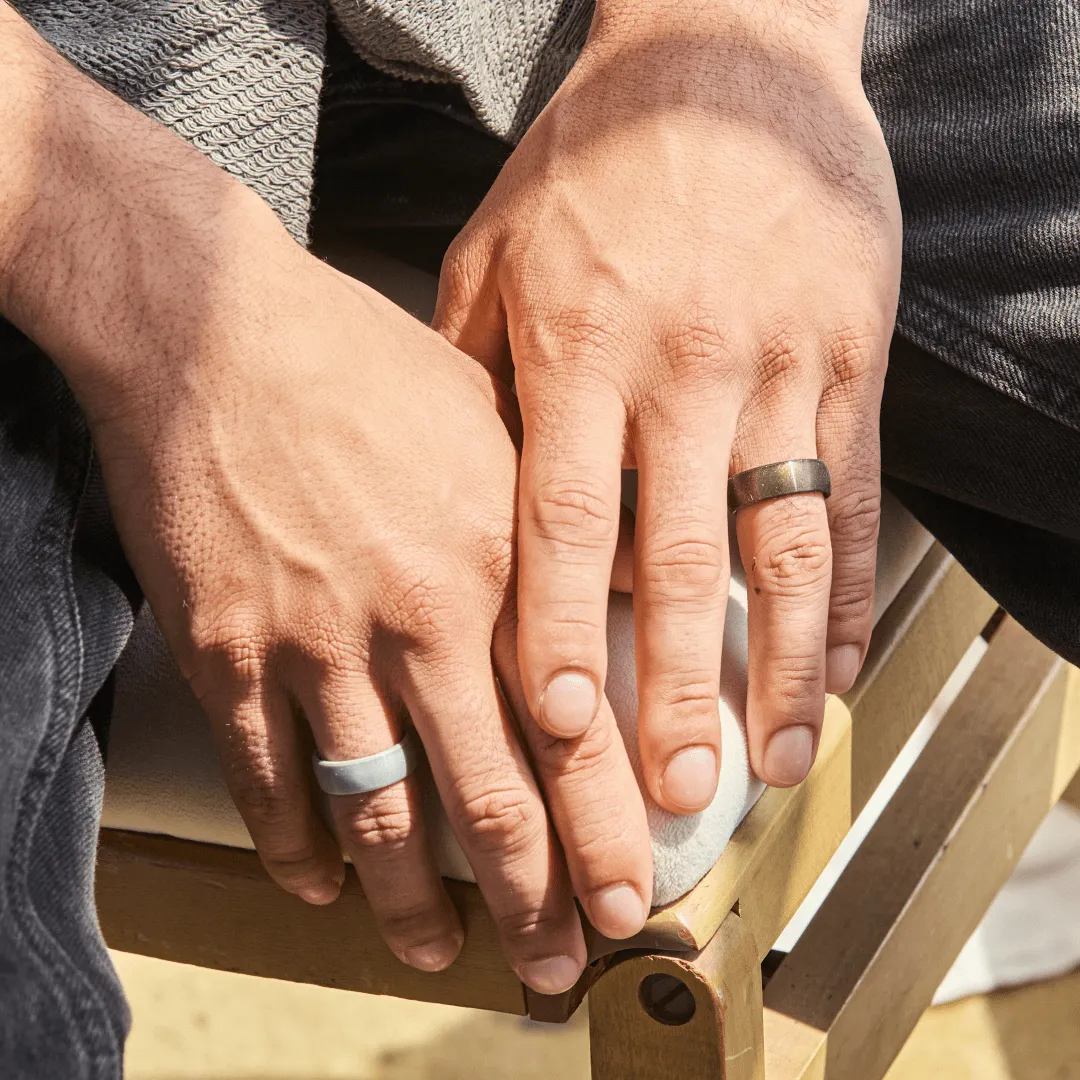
point(383, 831)
point(787, 555)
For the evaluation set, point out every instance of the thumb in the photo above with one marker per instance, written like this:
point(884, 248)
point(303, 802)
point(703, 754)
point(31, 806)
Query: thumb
point(469, 311)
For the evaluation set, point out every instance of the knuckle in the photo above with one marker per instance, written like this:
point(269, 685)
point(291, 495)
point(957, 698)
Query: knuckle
point(265, 799)
point(528, 929)
point(680, 565)
point(854, 542)
point(851, 604)
point(411, 923)
point(854, 354)
point(855, 519)
point(584, 330)
point(797, 690)
point(699, 337)
point(502, 821)
point(233, 647)
point(495, 546)
point(781, 361)
point(464, 267)
point(294, 867)
point(793, 555)
point(578, 760)
point(575, 515)
point(458, 268)
point(688, 698)
point(422, 605)
point(332, 652)
point(382, 827)
point(698, 347)
point(681, 395)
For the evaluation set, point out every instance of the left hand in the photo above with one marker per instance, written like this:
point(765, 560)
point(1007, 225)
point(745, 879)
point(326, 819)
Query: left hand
point(692, 263)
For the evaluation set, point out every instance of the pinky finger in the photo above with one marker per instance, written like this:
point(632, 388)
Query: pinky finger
point(852, 453)
point(268, 780)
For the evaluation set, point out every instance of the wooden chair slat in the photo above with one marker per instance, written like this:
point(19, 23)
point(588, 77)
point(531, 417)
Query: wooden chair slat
point(217, 908)
point(843, 1002)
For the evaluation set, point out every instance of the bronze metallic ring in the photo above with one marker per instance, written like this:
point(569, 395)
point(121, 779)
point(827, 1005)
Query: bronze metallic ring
point(794, 477)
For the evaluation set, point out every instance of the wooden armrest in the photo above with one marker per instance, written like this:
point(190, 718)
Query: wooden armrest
point(217, 907)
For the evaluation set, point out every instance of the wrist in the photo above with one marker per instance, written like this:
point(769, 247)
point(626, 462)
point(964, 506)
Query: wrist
point(694, 36)
point(119, 243)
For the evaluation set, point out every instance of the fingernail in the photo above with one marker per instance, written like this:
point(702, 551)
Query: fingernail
point(788, 756)
point(550, 976)
point(568, 705)
point(618, 911)
point(841, 668)
point(325, 893)
point(689, 781)
point(435, 956)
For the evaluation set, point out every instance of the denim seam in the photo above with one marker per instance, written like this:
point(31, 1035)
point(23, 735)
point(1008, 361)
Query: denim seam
point(88, 1023)
point(925, 321)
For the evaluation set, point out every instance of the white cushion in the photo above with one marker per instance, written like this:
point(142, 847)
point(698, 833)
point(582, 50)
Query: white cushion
point(163, 776)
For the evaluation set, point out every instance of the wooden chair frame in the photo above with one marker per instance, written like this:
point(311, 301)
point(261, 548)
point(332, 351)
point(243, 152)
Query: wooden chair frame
point(685, 998)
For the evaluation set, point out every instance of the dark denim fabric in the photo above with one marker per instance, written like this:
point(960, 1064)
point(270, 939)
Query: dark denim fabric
point(980, 104)
point(995, 481)
point(63, 621)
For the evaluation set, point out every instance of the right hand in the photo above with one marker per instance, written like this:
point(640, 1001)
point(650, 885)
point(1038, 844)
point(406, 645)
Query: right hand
point(316, 493)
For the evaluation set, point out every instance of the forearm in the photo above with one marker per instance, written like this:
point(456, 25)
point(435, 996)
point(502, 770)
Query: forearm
point(111, 227)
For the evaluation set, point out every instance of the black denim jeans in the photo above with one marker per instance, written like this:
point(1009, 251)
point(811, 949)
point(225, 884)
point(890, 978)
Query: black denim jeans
point(64, 617)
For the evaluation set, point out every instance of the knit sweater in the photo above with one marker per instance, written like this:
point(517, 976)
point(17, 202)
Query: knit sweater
point(240, 79)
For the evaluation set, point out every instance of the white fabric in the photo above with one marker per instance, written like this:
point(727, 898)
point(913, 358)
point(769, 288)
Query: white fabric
point(1032, 929)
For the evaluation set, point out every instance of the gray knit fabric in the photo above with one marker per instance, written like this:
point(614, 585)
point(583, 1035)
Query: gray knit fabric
point(239, 79)
point(509, 56)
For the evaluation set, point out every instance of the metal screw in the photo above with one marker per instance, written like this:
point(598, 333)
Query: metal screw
point(667, 999)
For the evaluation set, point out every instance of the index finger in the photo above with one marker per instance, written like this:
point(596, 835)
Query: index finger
point(569, 491)
point(595, 804)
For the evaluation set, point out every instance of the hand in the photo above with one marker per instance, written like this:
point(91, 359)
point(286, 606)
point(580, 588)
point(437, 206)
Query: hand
point(319, 504)
point(692, 260)
point(316, 493)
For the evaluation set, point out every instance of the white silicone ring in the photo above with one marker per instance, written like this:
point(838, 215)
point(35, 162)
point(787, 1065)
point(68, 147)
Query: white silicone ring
point(372, 773)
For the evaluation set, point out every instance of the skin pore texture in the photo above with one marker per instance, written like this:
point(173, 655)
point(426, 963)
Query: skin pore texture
point(689, 265)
